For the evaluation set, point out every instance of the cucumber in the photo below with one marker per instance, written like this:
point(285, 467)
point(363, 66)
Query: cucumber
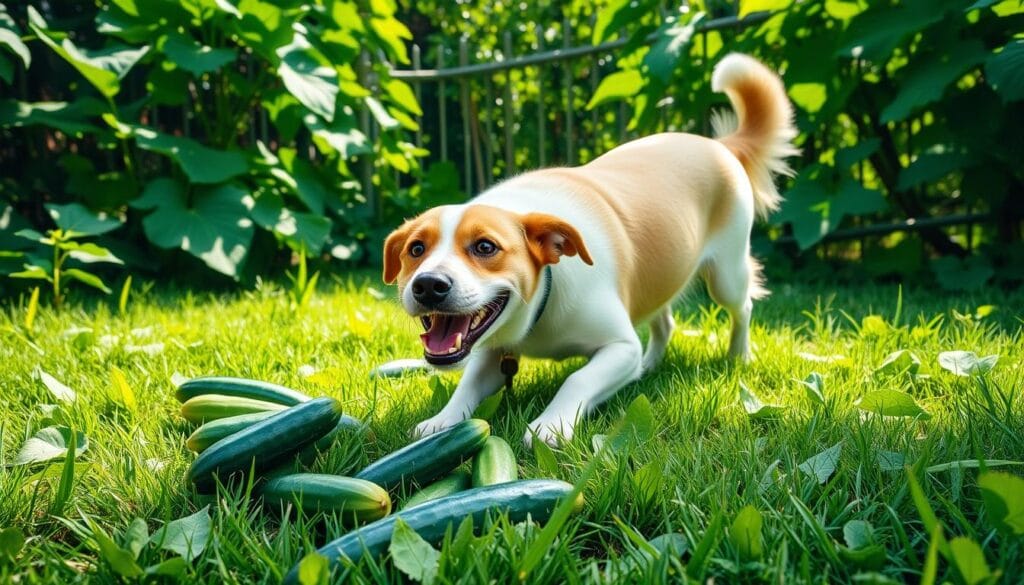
point(217, 406)
point(495, 463)
point(429, 458)
point(358, 500)
point(266, 444)
point(241, 388)
point(215, 430)
point(346, 423)
point(531, 498)
point(454, 483)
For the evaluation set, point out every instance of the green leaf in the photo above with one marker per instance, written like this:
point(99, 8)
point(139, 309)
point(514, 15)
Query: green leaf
point(58, 389)
point(969, 561)
point(121, 561)
point(89, 253)
point(412, 555)
point(186, 536)
point(874, 33)
point(637, 424)
point(314, 569)
point(486, 409)
point(930, 167)
point(401, 94)
point(708, 543)
point(309, 76)
point(380, 114)
point(898, 362)
point(120, 390)
point(809, 96)
point(928, 78)
point(342, 137)
point(86, 278)
point(671, 44)
point(814, 385)
point(12, 540)
point(890, 460)
point(851, 155)
point(77, 219)
point(12, 40)
point(745, 534)
point(647, 482)
point(103, 68)
point(50, 443)
point(545, 458)
point(891, 403)
point(393, 34)
point(194, 57)
point(216, 228)
point(749, 6)
point(299, 230)
point(617, 86)
point(136, 536)
point(967, 363)
point(617, 15)
point(756, 409)
point(72, 118)
point(1003, 495)
point(1005, 71)
point(305, 180)
point(861, 550)
point(962, 274)
point(201, 164)
point(816, 208)
point(821, 466)
point(174, 568)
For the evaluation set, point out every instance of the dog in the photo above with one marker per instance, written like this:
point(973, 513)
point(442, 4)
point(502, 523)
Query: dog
point(564, 262)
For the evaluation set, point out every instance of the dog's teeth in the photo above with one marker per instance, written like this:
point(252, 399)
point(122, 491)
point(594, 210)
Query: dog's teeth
point(452, 349)
point(458, 342)
point(477, 319)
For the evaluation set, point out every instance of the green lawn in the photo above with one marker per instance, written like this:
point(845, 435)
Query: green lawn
point(707, 458)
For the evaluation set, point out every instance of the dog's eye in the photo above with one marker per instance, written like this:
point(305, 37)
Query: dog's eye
point(485, 248)
point(416, 249)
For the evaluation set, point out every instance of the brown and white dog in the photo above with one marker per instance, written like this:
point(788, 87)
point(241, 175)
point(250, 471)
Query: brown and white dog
point(568, 261)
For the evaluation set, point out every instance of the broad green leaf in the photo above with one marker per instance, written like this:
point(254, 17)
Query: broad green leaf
point(749, 6)
point(50, 443)
point(120, 560)
point(928, 78)
point(898, 362)
point(671, 44)
point(545, 458)
point(12, 540)
point(756, 409)
point(962, 274)
point(745, 534)
point(891, 403)
point(90, 253)
point(966, 363)
point(412, 554)
point(103, 68)
point(57, 388)
point(616, 15)
point(1005, 71)
point(402, 94)
point(874, 33)
point(821, 466)
point(637, 423)
point(120, 390)
point(486, 409)
point(815, 207)
point(301, 231)
point(969, 560)
point(309, 77)
point(194, 57)
point(930, 167)
point(851, 155)
point(890, 460)
point(617, 86)
point(342, 136)
point(303, 178)
point(380, 114)
point(216, 228)
point(393, 34)
point(136, 536)
point(815, 387)
point(1003, 494)
point(186, 536)
point(10, 38)
point(174, 568)
point(201, 164)
point(858, 534)
point(647, 481)
point(77, 219)
point(86, 278)
point(809, 96)
point(861, 549)
point(314, 569)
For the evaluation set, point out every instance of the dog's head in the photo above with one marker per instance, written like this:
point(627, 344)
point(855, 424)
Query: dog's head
point(468, 270)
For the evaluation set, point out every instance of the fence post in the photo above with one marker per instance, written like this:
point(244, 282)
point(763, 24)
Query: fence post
point(567, 43)
point(467, 145)
point(540, 99)
point(366, 160)
point(488, 138)
point(510, 155)
point(441, 113)
point(417, 87)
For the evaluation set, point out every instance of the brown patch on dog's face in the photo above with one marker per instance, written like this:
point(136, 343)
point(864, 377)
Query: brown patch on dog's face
point(491, 243)
point(402, 254)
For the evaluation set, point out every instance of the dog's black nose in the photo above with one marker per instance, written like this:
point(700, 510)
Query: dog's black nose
point(431, 288)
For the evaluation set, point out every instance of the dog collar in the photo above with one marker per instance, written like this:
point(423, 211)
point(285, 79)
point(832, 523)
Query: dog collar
point(509, 362)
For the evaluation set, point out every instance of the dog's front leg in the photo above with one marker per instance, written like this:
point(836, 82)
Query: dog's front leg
point(613, 366)
point(482, 378)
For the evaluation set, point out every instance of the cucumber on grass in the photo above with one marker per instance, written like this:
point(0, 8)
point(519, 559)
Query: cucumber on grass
point(358, 500)
point(266, 444)
point(215, 430)
point(454, 483)
point(533, 498)
point(429, 458)
point(346, 423)
point(240, 387)
point(495, 463)
point(209, 407)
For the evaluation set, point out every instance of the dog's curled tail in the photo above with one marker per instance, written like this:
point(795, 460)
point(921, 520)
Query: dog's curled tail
point(761, 132)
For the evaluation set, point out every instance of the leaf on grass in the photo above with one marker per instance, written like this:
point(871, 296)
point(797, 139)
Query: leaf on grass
point(50, 443)
point(745, 534)
point(185, 536)
point(898, 362)
point(969, 560)
point(815, 387)
point(174, 568)
point(861, 550)
point(891, 403)
point(638, 422)
point(314, 569)
point(412, 554)
point(545, 458)
point(756, 409)
point(120, 391)
point(58, 389)
point(12, 540)
point(966, 363)
point(120, 560)
point(1003, 495)
point(823, 465)
point(486, 409)
point(890, 460)
point(136, 536)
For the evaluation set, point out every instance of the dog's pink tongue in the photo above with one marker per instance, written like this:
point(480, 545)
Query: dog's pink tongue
point(444, 331)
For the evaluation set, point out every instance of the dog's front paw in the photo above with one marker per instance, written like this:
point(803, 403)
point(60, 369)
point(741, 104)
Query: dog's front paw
point(552, 432)
point(435, 425)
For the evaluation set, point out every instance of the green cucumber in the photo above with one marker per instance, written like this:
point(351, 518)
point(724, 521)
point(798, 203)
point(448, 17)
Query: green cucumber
point(454, 483)
point(266, 444)
point(429, 458)
point(240, 387)
point(495, 463)
point(358, 500)
point(215, 430)
point(209, 407)
point(531, 498)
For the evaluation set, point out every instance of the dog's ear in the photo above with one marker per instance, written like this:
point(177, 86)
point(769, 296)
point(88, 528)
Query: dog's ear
point(393, 253)
point(550, 238)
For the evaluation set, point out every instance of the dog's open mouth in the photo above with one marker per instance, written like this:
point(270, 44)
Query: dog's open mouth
point(449, 337)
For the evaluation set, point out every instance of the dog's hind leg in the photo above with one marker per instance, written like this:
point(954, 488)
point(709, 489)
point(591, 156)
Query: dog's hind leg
point(661, 325)
point(733, 278)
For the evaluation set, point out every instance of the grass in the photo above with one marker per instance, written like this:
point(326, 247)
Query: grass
point(706, 460)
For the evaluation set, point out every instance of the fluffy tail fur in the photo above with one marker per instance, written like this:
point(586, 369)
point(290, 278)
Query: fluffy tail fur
point(761, 131)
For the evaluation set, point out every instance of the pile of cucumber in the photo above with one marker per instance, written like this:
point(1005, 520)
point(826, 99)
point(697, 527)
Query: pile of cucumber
point(262, 429)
